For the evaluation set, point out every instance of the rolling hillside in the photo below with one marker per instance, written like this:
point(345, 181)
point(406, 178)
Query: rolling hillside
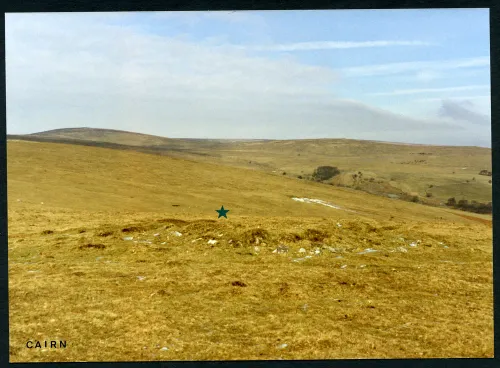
point(434, 173)
point(125, 258)
point(76, 177)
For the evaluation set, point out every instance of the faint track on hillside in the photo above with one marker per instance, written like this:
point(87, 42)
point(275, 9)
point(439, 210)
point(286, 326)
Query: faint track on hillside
point(478, 219)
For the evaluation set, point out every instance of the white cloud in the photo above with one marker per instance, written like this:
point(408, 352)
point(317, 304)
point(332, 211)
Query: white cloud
point(430, 90)
point(427, 75)
point(460, 98)
point(79, 70)
point(463, 111)
point(398, 68)
point(331, 45)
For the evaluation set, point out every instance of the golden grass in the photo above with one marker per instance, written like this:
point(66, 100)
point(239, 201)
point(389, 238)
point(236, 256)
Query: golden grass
point(410, 168)
point(73, 277)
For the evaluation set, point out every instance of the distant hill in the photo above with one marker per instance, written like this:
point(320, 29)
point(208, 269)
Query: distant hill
point(104, 135)
point(433, 173)
point(123, 140)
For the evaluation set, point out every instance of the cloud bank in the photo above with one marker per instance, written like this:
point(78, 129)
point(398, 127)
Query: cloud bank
point(463, 111)
point(77, 70)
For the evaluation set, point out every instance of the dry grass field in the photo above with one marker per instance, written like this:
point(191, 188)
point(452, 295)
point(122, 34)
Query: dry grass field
point(121, 254)
point(442, 171)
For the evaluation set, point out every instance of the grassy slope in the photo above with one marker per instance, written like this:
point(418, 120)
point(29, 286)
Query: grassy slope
point(442, 166)
point(67, 256)
point(103, 135)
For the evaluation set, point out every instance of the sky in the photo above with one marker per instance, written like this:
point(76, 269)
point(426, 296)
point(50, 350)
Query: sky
point(411, 76)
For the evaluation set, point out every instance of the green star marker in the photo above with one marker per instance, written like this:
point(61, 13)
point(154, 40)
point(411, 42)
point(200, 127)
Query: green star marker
point(222, 212)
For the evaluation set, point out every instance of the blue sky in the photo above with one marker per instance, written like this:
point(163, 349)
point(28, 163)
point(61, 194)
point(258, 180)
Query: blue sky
point(416, 76)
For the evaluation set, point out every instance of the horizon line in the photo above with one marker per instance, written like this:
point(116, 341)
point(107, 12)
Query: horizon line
point(247, 139)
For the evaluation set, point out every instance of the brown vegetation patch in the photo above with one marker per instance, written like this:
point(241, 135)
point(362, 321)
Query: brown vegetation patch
point(172, 221)
point(291, 237)
point(238, 283)
point(47, 232)
point(132, 229)
point(283, 288)
point(105, 233)
point(315, 235)
point(90, 246)
point(255, 236)
point(203, 228)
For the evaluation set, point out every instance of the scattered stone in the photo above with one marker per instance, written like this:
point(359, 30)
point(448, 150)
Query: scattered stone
point(362, 266)
point(339, 257)
point(368, 250)
point(317, 251)
point(164, 348)
point(256, 248)
point(98, 258)
point(157, 234)
point(212, 241)
point(176, 233)
point(413, 244)
point(282, 346)
point(331, 249)
point(446, 246)
point(343, 266)
point(402, 249)
point(281, 249)
point(163, 243)
point(305, 307)
point(140, 278)
point(339, 225)
point(220, 235)
point(128, 238)
point(302, 250)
